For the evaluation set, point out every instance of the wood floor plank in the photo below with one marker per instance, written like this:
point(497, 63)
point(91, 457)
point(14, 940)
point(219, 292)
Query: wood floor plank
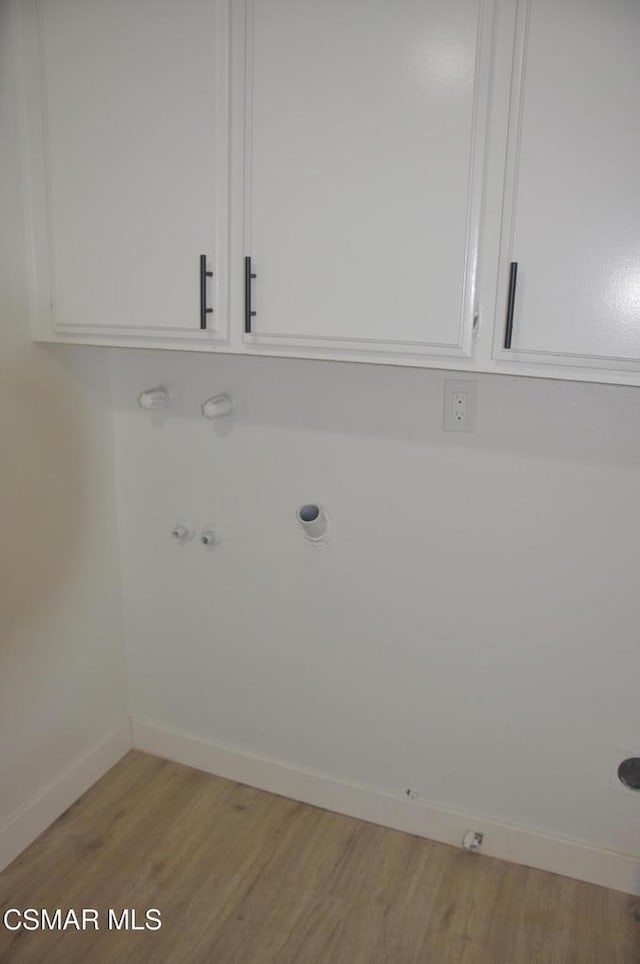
point(245, 877)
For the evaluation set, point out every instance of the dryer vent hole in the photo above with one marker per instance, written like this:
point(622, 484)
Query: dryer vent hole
point(629, 773)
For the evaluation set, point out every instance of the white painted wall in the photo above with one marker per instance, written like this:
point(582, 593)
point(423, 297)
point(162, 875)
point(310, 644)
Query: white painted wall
point(472, 630)
point(62, 682)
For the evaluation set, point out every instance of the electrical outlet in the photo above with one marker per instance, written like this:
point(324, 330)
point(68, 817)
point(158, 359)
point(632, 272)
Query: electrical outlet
point(459, 407)
point(460, 402)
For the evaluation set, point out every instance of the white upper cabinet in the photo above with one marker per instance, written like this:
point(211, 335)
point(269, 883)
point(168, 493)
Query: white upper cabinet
point(363, 150)
point(130, 166)
point(308, 178)
point(572, 218)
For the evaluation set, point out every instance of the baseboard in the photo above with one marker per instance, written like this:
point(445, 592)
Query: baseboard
point(518, 845)
point(37, 814)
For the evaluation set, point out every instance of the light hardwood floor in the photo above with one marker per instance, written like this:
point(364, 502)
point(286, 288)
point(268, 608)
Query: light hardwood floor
point(244, 877)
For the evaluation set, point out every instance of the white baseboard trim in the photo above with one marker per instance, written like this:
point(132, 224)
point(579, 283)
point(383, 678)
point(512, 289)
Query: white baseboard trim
point(23, 826)
point(518, 845)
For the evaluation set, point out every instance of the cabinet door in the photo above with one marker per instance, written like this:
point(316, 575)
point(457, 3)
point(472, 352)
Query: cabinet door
point(363, 172)
point(573, 221)
point(135, 106)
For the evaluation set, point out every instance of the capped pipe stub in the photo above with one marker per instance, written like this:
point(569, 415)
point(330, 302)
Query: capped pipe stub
point(313, 521)
point(209, 536)
point(472, 841)
point(216, 406)
point(154, 398)
point(182, 533)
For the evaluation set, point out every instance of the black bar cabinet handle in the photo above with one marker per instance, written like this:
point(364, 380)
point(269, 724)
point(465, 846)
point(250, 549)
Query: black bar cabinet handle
point(248, 313)
point(511, 301)
point(204, 274)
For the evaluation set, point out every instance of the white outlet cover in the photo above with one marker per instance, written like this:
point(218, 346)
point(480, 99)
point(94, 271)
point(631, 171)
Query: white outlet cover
point(453, 387)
